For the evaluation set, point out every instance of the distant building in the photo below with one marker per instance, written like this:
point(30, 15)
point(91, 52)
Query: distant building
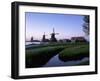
point(32, 40)
point(78, 39)
point(67, 40)
point(64, 40)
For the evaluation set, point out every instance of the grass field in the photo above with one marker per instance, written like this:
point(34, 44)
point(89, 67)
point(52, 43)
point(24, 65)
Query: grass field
point(74, 53)
point(37, 56)
point(40, 56)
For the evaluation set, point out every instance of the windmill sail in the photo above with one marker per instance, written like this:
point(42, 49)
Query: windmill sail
point(53, 38)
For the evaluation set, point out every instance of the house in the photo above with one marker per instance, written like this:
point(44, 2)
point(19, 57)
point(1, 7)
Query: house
point(78, 39)
point(64, 40)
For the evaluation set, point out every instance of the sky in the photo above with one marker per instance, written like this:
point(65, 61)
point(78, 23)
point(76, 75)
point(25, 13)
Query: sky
point(67, 25)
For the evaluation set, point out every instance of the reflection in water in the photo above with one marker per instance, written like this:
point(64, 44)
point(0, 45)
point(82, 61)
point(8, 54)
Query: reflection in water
point(55, 61)
point(39, 57)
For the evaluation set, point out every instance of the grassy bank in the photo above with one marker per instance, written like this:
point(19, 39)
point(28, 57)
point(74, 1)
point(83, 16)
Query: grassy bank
point(37, 56)
point(40, 56)
point(53, 44)
point(74, 53)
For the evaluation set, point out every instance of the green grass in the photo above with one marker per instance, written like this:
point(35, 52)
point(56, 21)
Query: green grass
point(54, 44)
point(37, 56)
point(40, 56)
point(74, 53)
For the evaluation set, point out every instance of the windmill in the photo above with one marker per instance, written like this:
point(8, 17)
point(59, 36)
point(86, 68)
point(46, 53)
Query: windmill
point(53, 38)
point(44, 37)
point(31, 39)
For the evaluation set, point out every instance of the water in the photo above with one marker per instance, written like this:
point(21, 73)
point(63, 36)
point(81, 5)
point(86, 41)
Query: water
point(28, 43)
point(55, 61)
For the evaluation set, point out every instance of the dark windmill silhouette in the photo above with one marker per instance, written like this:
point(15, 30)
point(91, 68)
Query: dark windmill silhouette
point(44, 38)
point(53, 38)
point(31, 39)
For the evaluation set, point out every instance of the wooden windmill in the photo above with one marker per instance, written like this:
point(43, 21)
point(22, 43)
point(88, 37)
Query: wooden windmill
point(31, 39)
point(53, 38)
point(44, 37)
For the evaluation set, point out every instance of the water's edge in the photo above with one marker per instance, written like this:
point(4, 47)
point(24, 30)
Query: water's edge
point(55, 61)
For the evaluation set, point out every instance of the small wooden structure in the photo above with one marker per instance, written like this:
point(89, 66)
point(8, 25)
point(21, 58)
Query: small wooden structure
point(78, 39)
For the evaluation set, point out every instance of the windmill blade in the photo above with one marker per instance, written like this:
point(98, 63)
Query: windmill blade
point(45, 34)
point(53, 30)
point(56, 33)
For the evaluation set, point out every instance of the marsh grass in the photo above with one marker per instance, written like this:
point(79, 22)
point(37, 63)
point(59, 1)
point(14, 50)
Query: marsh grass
point(74, 53)
point(37, 56)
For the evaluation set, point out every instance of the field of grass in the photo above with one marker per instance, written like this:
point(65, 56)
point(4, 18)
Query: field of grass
point(37, 56)
point(52, 44)
point(40, 56)
point(74, 53)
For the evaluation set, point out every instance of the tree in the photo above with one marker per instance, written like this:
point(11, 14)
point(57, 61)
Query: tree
point(86, 25)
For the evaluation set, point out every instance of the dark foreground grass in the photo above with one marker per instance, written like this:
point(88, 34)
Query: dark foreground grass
point(39, 57)
point(74, 53)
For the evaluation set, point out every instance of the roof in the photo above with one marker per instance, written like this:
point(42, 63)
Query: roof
point(79, 38)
